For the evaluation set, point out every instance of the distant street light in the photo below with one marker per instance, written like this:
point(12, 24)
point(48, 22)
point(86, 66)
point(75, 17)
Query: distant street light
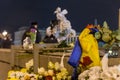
point(5, 40)
point(4, 33)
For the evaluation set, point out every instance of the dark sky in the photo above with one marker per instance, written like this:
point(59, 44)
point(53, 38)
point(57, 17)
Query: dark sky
point(17, 13)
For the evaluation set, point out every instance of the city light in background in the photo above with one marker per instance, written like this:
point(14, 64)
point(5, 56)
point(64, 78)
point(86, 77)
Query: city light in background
point(4, 33)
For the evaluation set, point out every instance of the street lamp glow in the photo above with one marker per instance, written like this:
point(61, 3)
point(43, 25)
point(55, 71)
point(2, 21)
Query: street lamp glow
point(110, 51)
point(4, 33)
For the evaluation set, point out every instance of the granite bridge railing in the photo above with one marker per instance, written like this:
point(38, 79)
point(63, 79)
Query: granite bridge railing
point(16, 57)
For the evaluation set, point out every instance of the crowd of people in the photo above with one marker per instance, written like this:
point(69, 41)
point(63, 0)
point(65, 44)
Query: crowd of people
point(59, 30)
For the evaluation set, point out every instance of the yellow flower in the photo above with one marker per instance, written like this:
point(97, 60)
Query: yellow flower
point(71, 44)
point(64, 72)
point(59, 76)
point(63, 69)
point(41, 42)
point(69, 78)
point(27, 77)
point(10, 72)
point(50, 65)
point(12, 79)
point(36, 76)
point(23, 70)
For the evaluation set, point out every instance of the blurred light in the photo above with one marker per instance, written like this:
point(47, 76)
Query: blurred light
point(4, 33)
point(110, 51)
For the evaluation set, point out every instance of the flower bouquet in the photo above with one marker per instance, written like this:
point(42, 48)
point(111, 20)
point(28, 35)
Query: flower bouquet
point(103, 72)
point(54, 72)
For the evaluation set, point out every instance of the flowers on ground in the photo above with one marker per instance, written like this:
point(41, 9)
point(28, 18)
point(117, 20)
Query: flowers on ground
point(21, 75)
point(101, 72)
point(29, 66)
point(53, 72)
point(96, 73)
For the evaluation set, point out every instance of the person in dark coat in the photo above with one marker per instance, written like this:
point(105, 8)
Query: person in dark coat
point(50, 37)
point(6, 41)
point(33, 33)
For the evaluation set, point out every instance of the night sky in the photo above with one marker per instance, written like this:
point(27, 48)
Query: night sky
point(17, 13)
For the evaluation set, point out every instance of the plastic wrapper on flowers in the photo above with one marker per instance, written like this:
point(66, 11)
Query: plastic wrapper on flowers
point(24, 73)
point(21, 75)
point(29, 66)
point(103, 72)
point(54, 72)
point(107, 37)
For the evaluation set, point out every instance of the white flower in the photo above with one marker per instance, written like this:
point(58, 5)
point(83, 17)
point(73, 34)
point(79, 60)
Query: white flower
point(57, 66)
point(55, 72)
point(22, 78)
point(97, 72)
point(33, 76)
point(40, 76)
point(50, 72)
point(93, 73)
point(41, 70)
point(45, 73)
point(19, 74)
point(83, 75)
point(12, 74)
point(29, 64)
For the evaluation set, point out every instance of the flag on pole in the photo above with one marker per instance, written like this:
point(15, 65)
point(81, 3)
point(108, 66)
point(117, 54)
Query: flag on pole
point(75, 55)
